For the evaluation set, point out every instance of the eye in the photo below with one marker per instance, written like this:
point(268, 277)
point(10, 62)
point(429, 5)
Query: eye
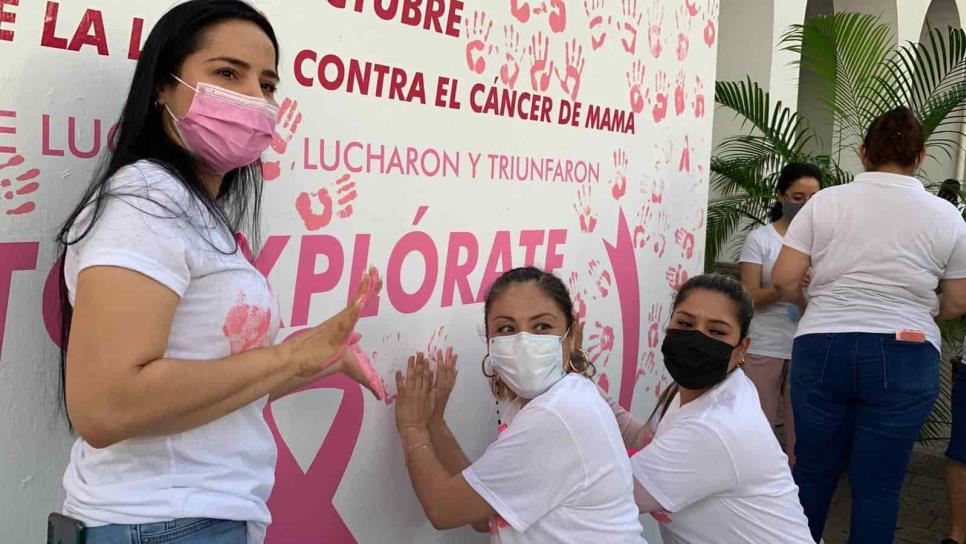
point(505, 329)
point(718, 332)
point(684, 324)
point(269, 88)
point(227, 73)
point(542, 327)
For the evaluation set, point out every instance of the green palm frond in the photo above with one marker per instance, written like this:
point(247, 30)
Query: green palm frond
point(850, 53)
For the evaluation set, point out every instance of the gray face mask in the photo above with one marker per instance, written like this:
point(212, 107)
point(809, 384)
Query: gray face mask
point(791, 209)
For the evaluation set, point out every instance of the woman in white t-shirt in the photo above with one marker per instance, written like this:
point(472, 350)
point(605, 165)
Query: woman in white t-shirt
point(774, 324)
point(558, 472)
point(170, 357)
point(866, 355)
point(710, 461)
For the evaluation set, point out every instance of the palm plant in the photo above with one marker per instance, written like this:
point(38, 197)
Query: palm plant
point(862, 75)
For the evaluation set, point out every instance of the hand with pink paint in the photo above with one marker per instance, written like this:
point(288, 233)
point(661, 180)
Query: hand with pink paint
point(318, 209)
point(683, 22)
point(635, 82)
point(655, 41)
point(326, 345)
point(659, 111)
point(558, 16)
point(711, 16)
point(415, 398)
point(510, 70)
point(445, 382)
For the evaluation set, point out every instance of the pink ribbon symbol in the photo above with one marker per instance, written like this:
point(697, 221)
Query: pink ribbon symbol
point(301, 503)
point(624, 263)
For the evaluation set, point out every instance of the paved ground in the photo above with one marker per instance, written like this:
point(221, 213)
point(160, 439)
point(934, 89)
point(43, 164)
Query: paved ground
point(922, 514)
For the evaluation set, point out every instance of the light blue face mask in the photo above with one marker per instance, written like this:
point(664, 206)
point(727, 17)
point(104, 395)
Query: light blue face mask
point(529, 364)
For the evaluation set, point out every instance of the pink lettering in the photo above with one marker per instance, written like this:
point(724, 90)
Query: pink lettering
point(420, 242)
point(500, 260)
point(456, 275)
point(13, 257)
point(307, 281)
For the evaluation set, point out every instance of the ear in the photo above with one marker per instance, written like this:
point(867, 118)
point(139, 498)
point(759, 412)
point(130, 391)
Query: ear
point(865, 165)
point(922, 158)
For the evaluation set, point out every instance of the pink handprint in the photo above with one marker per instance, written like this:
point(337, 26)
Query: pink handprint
point(511, 66)
point(657, 236)
point(640, 237)
point(520, 9)
point(308, 204)
point(574, 55)
point(619, 185)
point(659, 111)
point(601, 276)
point(684, 165)
point(657, 190)
point(654, 318)
point(588, 219)
point(558, 16)
point(289, 119)
point(27, 186)
point(601, 344)
point(579, 295)
point(679, 94)
point(477, 45)
point(595, 14)
point(635, 80)
point(246, 326)
point(684, 31)
point(711, 16)
point(646, 365)
point(698, 98)
point(692, 7)
point(541, 68)
point(629, 25)
point(685, 239)
point(655, 21)
point(676, 277)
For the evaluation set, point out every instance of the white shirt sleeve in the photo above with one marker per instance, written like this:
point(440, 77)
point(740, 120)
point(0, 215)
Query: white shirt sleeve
point(751, 252)
point(956, 267)
point(686, 462)
point(801, 232)
point(522, 475)
point(141, 227)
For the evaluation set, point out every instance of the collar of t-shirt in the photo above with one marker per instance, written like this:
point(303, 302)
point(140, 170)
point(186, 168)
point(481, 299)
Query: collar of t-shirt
point(889, 178)
point(699, 404)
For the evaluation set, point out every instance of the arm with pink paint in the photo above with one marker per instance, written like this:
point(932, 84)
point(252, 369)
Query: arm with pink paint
point(447, 499)
point(354, 362)
point(120, 385)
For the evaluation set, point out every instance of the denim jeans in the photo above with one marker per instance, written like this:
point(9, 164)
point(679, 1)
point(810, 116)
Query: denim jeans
point(859, 401)
point(179, 531)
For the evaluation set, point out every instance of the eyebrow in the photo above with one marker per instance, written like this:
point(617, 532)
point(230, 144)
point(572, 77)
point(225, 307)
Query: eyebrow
point(714, 321)
point(545, 314)
point(244, 65)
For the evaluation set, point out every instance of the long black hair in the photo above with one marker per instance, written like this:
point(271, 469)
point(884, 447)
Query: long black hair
point(791, 173)
point(141, 136)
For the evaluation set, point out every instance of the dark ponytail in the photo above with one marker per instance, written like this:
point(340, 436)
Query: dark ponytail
point(792, 172)
point(895, 137)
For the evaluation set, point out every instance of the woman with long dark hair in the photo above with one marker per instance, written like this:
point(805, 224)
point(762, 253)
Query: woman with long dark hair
point(866, 355)
point(170, 355)
point(774, 324)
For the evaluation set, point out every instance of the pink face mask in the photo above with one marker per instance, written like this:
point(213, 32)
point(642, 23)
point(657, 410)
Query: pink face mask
point(224, 129)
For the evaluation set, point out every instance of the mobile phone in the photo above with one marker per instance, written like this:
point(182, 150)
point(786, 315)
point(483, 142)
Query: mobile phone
point(62, 529)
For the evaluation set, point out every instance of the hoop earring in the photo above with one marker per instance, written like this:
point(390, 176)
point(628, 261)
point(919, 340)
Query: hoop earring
point(583, 356)
point(483, 366)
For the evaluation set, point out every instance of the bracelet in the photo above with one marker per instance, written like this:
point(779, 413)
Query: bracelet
point(413, 448)
point(415, 426)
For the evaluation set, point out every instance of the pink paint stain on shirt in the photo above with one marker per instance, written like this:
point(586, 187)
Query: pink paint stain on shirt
point(246, 326)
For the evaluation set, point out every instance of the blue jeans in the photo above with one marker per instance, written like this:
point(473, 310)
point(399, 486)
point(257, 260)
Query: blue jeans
point(957, 441)
point(859, 401)
point(179, 531)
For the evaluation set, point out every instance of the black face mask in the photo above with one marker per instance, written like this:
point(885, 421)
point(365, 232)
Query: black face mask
point(695, 360)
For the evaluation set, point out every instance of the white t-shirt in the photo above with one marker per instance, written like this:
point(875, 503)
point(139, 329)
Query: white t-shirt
point(716, 466)
point(879, 247)
point(772, 329)
point(224, 469)
point(559, 472)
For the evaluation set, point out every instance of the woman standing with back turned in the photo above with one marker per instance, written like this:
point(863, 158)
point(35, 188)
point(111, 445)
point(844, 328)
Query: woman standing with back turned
point(866, 371)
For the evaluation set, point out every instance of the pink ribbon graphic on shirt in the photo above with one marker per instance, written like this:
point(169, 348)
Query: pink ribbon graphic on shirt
point(301, 503)
point(624, 263)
